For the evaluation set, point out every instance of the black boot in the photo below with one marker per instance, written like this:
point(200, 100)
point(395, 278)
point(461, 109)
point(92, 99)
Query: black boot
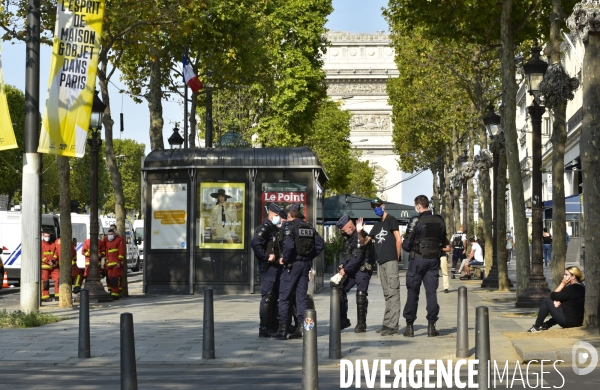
point(345, 323)
point(431, 331)
point(298, 333)
point(409, 331)
point(281, 332)
point(263, 332)
point(361, 312)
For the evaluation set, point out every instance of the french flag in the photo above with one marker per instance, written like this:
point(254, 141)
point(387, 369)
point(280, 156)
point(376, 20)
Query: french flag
point(189, 77)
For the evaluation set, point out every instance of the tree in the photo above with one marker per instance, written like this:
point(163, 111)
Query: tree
point(66, 235)
point(80, 181)
point(11, 159)
point(129, 155)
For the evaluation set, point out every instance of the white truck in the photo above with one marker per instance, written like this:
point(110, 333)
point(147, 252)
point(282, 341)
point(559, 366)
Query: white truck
point(131, 247)
point(10, 239)
point(138, 228)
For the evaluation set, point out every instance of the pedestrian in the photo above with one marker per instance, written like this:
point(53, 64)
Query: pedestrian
point(385, 235)
point(268, 255)
point(301, 244)
point(475, 258)
point(357, 269)
point(85, 251)
point(509, 247)
point(115, 257)
point(425, 240)
point(49, 266)
point(459, 251)
point(76, 274)
point(223, 218)
point(547, 246)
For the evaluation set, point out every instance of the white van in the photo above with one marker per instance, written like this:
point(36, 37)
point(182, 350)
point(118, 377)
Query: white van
point(138, 228)
point(131, 249)
point(10, 239)
point(80, 227)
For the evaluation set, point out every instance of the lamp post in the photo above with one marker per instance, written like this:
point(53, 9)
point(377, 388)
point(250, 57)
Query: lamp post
point(492, 124)
point(537, 288)
point(93, 284)
point(176, 140)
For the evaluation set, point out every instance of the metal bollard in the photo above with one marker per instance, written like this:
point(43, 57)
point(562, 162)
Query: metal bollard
point(335, 325)
point(310, 360)
point(128, 368)
point(462, 326)
point(84, 324)
point(482, 345)
point(208, 328)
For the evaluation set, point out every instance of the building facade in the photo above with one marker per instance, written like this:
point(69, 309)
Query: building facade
point(357, 68)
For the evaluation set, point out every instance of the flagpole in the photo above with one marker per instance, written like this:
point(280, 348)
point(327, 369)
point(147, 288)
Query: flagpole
point(185, 110)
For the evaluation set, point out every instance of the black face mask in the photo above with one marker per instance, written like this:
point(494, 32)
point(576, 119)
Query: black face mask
point(344, 234)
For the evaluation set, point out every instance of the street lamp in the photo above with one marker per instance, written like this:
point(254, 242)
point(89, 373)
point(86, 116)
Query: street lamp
point(93, 284)
point(492, 124)
point(176, 140)
point(537, 288)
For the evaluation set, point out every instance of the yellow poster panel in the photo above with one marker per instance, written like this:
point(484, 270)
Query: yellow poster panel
point(72, 77)
point(7, 133)
point(222, 212)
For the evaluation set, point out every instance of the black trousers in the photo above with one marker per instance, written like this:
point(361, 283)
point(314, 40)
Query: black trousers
point(426, 272)
point(547, 307)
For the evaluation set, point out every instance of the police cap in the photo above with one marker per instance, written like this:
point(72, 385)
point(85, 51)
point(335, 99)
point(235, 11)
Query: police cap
point(376, 202)
point(342, 221)
point(274, 208)
point(295, 207)
point(283, 214)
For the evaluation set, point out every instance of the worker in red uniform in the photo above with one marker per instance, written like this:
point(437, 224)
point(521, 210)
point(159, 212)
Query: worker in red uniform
point(49, 267)
point(76, 274)
point(85, 251)
point(115, 257)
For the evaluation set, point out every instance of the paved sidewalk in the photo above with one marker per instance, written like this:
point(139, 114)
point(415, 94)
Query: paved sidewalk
point(168, 330)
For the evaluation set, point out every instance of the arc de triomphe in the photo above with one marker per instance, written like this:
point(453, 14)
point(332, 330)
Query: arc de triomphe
point(357, 68)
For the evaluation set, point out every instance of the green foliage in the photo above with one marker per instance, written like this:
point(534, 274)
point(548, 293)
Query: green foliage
point(129, 155)
point(81, 169)
point(334, 247)
point(20, 319)
point(13, 14)
point(11, 160)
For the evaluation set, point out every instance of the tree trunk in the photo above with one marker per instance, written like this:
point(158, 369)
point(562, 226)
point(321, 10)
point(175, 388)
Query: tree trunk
point(447, 195)
point(64, 173)
point(113, 169)
point(436, 192)
point(509, 100)
point(559, 138)
point(193, 121)
point(503, 283)
point(471, 195)
point(455, 189)
point(154, 98)
point(590, 164)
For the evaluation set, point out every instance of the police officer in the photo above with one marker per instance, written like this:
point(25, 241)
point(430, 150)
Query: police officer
point(356, 267)
point(301, 244)
point(425, 239)
point(459, 245)
point(265, 250)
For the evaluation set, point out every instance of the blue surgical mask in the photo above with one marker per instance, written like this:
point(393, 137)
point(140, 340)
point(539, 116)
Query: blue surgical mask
point(276, 219)
point(378, 211)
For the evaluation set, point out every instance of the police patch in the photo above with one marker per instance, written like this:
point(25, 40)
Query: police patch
point(305, 232)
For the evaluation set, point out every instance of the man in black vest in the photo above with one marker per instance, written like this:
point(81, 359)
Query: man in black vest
point(356, 266)
point(301, 244)
point(425, 240)
point(263, 245)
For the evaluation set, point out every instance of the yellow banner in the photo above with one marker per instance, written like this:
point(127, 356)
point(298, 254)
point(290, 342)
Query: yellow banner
point(72, 77)
point(7, 133)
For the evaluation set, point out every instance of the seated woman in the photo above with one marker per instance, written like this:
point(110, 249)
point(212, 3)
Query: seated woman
point(475, 258)
point(565, 304)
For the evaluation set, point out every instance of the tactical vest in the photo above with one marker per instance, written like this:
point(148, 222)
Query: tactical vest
point(457, 241)
point(430, 240)
point(304, 240)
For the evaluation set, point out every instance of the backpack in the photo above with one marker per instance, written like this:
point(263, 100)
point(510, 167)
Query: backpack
point(457, 241)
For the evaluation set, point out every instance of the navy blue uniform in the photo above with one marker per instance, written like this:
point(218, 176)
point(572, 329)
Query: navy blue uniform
point(295, 275)
point(353, 261)
point(270, 272)
point(424, 264)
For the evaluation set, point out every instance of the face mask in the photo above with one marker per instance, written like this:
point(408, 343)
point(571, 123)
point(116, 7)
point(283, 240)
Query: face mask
point(47, 239)
point(378, 211)
point(111, 237)
point(276, 219)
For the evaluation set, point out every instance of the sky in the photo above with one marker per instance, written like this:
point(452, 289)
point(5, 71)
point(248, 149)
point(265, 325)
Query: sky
point(348, 15)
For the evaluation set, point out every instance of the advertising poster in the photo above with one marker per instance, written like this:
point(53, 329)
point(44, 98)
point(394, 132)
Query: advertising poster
point(72, 77)
point(7, 134)
point(222, 214)
point(169, 216)
point(283, 194)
